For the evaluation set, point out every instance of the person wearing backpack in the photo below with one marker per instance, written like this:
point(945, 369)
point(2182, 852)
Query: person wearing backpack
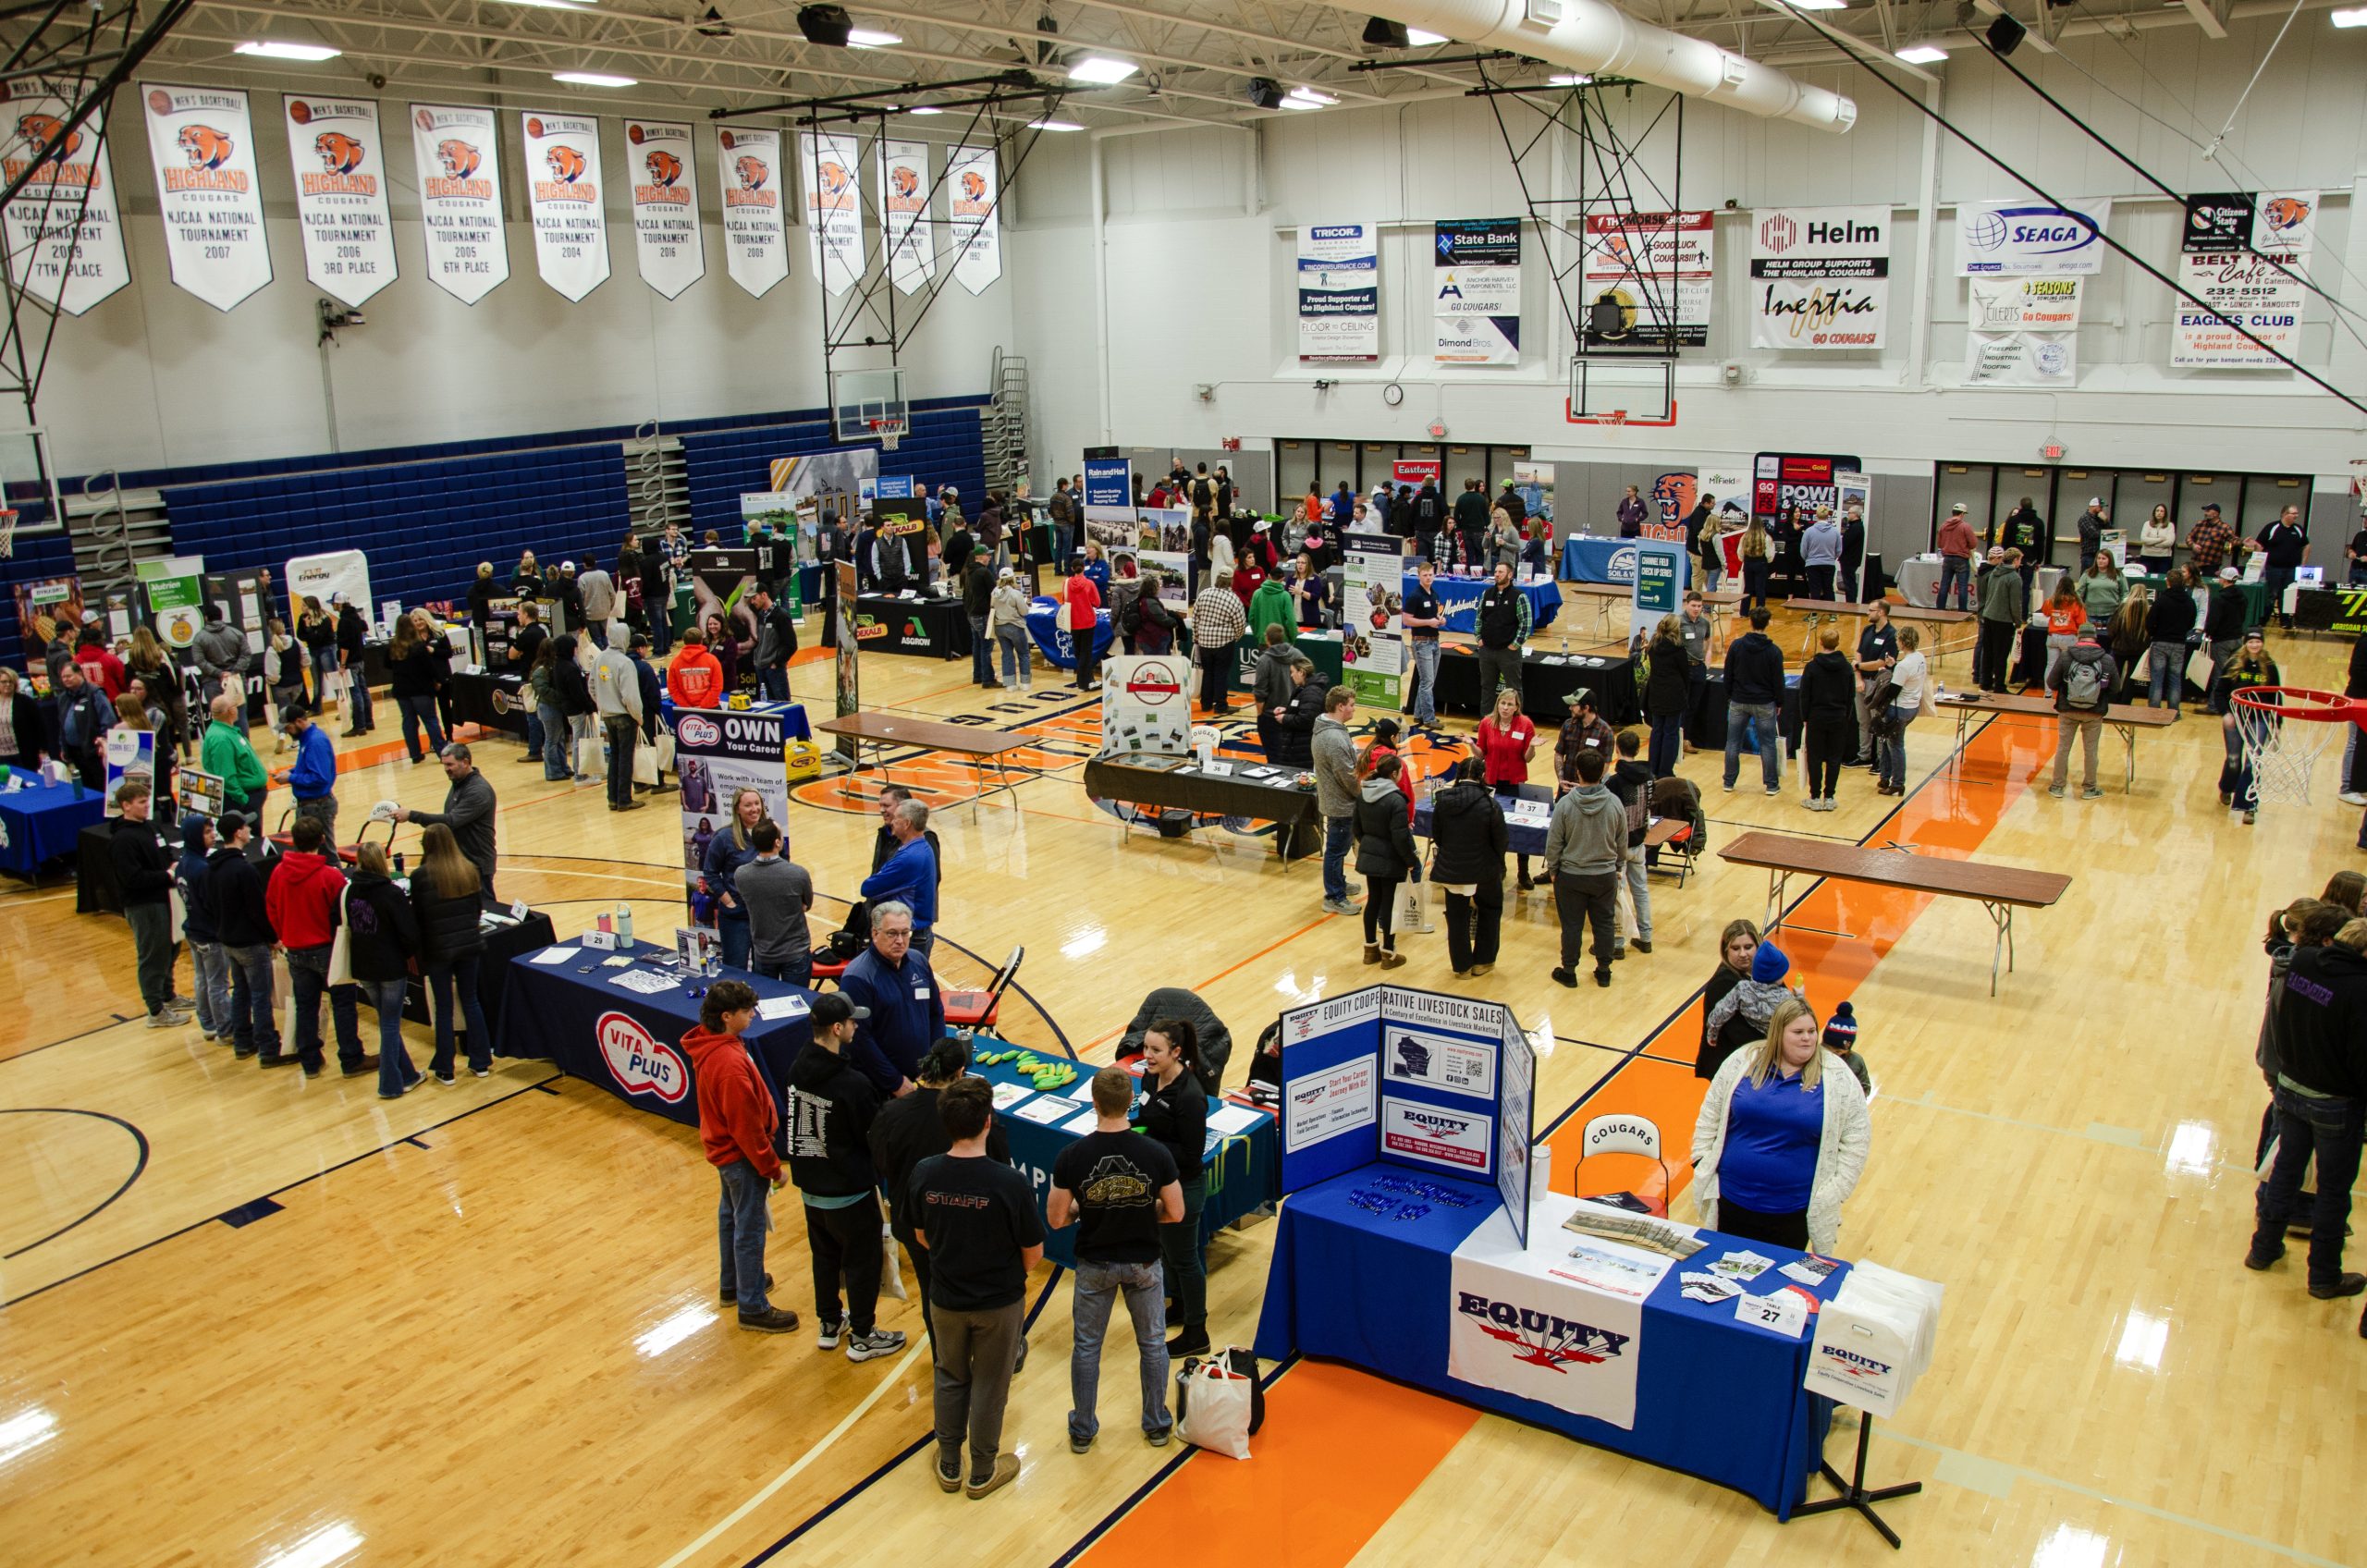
point(2081, 682)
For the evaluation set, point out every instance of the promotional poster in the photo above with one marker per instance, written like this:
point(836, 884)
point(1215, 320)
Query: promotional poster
point(46, 605)
point(341, 195)
point(833, 210)
point(175, 594)
point(716, 755)
point(64, 229)
point(1785, 480)
point(667, 233)
point(204, 149)
point(751, 175)
point(457, 149)
point(1372, 605)
point(2022, 331)
point(2008, 239)
point(848, 668)
point(972, 178)
point(1820, 277)
point(563, 185)
point(720, 582)
point(1339, 292)
point(2243, 255)
point(1657, 267)
point(1476, 289)
point(1659, 587)
point(1146, 705)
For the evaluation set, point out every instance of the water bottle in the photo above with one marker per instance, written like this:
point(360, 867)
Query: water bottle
point(398, 865)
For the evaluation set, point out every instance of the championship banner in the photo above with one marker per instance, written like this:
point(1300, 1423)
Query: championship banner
point(65, 232)
point(1657, 269)
point(665, 205)
point(755, 228)
point(1476, 289)
point(563, 197)
point(1147, 706)
point(833, 210)
point(2242, 254)
point(457, 149)
point(1338, 291)
point(204, 149)
point(2022, 331)
point(719, 752)
point(1659, 587)
point(1372, 603)
point(341, 195)
point(1562, 1325)
point(970, 173)
point(2011, 238)
point(904, 206)
point(1820, 277)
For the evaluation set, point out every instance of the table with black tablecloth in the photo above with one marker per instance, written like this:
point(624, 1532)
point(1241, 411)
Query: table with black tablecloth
point(503, 941)
point(923, 627)
point(473, 700)
point(1706, 726)
point(42, 822)
point(1298, 826)
point(1547, 682)
point(1459, 596)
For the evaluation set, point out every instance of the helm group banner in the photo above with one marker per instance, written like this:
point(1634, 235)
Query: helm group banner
point(457, 150)
point(970, 173)
point(1657, 267)
point(904, 206)
point(2243, 253)
point(65, 232)
point(665, 205)
point(563, 198)
point(341, 195)
point(833, 210)
point(1476, 288)
point(1820, 277)
point(755, 228)
point(202, 144)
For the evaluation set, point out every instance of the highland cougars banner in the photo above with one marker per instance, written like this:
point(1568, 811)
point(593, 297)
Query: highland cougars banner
point(54, 259)
point(563, 197)
point(665, 205)
point(834, 210)
point(755, 227)
point(1476, 282)
point(203, 147)
point(459, 198)
point(1338, 291)
point(904, 206)
point(1820, 277)
point(341, 195)
point(977, 227)
point(2242, 254)
point(1657, 269)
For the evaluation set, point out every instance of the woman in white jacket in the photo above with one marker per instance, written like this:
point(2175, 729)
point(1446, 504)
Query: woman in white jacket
point(1780, 1142)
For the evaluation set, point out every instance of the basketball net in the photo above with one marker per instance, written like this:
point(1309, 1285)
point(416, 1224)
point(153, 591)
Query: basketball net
point(2285, 732)
point(888, 431)
point(7, 531)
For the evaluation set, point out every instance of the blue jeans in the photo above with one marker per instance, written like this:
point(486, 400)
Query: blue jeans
point(324, 663)
point(441, 978)
point(2330, 1129)
point(1890, 753)
point(395, 1072)
point(800, 974)
point(2166, 675)
point(1337, 833)
point(534, 732)
point(2236, 779)
point(308, 969)
point(251, 1026)
point(212, 966)
point(741, 1221)
point(1426, 677)
point(1769, 734)
point(774, 683)
point(982, 653)
point(556, 765)
point(1668, 744)
point(356, 705)
point(1713, 572)
point(417, 711)
point(1098, 1287)
point(1016, 659)
point(731, 925)
point(1955, 571)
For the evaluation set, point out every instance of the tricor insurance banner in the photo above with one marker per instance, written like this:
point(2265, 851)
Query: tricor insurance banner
point(64, 232)
point(2008, 239)
point(203, 148)
point(1338, 291)
point(903, 208)
point(755, 225)
point(2243, 255)
point(457, 151)
point(341, 195)
point(2022, 331)
point(970, 175)
point(1476, 288)
point(1657, 267)
point(666, 230)
point(1372, 601)
point(833, 210)
point(563, 183)
point(1820, 277)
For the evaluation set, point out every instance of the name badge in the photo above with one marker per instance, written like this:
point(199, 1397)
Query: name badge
point(920, 993)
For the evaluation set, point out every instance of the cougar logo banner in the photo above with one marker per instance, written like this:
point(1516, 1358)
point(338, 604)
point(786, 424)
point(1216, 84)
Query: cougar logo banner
point(2243, 255)
point(564, 196)
point(455, 151)
point(903, 220)
point(341, 195)
point(666, 234)
point(977, 227)
point(201, 142)
point(63, 231)
point(833, 210)
point(755, 227)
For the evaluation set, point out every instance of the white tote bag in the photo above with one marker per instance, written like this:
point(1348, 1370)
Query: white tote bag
point(1216, 1408)
point(341, 947)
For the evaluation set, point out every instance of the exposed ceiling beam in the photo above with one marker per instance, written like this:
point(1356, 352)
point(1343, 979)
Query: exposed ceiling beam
point(2210, 16)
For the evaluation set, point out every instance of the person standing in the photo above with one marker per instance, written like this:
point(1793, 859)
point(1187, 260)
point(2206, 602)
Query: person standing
point(1173, 1114)
point(2102, 589)
point(1385, 857)
point(303, 900)
point(910, 875)
point(1582, 730)
point(411, 667)
point(226, 753)
point(616, 691)
point(1502, 621)
point(1877, 653)
point(1958, 545)
point(2157, 542)
point(235, 902)
point(2224, 619)
point(1429, 515)
point(596, 591)
point(2318, 1095)
point(1755, 694)
point(79, 719)
point(2005, 606)
point(1820, 550)
point(351, 635)
point(1631, 513)
point(24, 736)
point(446, 906)
point(1780, 1143)
point(1630, 782)
point(719, 866)
point(1422, 618)
point(1586, 846)
point(468, 811)
point(2286, 542)
point(777, 893)
point(312, 779)
point(737, 1122)
point(2209, 544)
point(2081, 684)
point(1758, 552)
point(1217, 621)
point(831, 1107)
point(2248, 667)
point(1912, 675)
point(903, 1007)
point(776, 644)
point(1701, 532)
point(209, 971)
point(1828, 719)
point(144, 871)
point(1008, 606)
point(1853, 554)
point(909, 1130)
point(1333, 753)
point(1668, 693)
point(1506, 742)
point(1468, 840)
point(382, 944)
point(2025, 531)
point(1079, 606)
point(978, 577)
point(317, 631)
point(2091, 527)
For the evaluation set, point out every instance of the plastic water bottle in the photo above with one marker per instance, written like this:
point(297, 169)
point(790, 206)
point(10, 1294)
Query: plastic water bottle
point(398, 865)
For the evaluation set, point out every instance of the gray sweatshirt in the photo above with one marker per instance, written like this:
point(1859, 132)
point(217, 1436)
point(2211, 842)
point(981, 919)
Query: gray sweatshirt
point(1335, 772)
point(778, 894)
point(1588, 833)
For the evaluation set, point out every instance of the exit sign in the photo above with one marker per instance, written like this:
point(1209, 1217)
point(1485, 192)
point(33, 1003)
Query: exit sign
point(2052, 452)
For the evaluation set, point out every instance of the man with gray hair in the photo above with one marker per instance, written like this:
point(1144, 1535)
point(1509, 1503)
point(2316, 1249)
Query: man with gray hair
point(899, 1012)
point(908, 877)
point(467, 811)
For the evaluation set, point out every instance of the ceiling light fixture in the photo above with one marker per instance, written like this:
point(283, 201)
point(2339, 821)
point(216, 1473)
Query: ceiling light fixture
point(924, 109)
point(271, 49)
point(595, 79)
point(1307, 98)
point(1100, 70)
point(1421, 40)
point(1923, 54)
point(1054, 124)
point(1567, 79)
point(2356, 17)
point(869, 37)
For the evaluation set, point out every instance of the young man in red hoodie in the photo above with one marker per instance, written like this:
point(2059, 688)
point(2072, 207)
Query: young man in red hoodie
point(696, 677)
point(303, 900)
point(737, 1120)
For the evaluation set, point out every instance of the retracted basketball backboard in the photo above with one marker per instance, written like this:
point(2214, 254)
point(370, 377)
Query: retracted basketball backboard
point(868, 405)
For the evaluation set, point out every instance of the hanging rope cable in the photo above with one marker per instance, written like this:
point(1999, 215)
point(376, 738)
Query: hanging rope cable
point(2233, 113)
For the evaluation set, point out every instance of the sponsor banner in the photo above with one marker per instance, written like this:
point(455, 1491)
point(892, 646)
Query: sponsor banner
point(1440, 1061)
point(639, 1061)
point(564, 195)
point(1517, 1326)
point(64, 230)
point(1658, 588)
point(1820, 277)
point(457, 151)
point(970, 175)
point(1372, 647)
point(833, 209)
point(1477, 292)
point(1416, 473)
point(45, 604)
point(847, 671)
point(2022, 331)
point(1782, 480)
point(131, 753)
point(175, 594)
point(203, 148)
point(1322, 1105)
point(903, 207)
point(755, 228)
point(1440, 1136)
point(2012, 238)
point(1533, 482)
point(341, 195)
point(718, 753)
point(1108, 490)
point(666, 229)
point(1338, 291)
point(2243, 255)
point(1146, 705)
point(1657, 267)
point(325, 576)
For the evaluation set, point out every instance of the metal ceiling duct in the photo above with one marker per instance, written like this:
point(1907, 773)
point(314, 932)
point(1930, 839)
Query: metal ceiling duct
point(1594, 38)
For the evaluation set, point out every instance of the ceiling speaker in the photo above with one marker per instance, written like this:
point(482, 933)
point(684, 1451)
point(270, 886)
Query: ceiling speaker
point(1265, 92)
point(825, 24)
point(2006, 34)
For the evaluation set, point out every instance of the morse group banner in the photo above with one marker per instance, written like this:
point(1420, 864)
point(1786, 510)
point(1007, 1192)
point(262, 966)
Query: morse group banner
point(2243, 255)
point(1476, 289)
point(755, 224)
point(1338, 291)
point(457, 151)
point(1820, 277)
point(64, 230)
point(970, 175)
point(904, 206)
point(2009, 239)
point(833, 209)
point(1657, 267)
point(202, 144)
point(341, 195)
point(666, 230)
point(564, 196)
point(2022, 331)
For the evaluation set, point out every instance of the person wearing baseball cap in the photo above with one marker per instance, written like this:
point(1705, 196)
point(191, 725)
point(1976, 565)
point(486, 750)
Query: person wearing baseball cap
point(1958, 548)
point(2092, 532)
point(2209, 544)
point(2222, 619)
point(831, 1107)
point(312, 778)
point(737, 1120)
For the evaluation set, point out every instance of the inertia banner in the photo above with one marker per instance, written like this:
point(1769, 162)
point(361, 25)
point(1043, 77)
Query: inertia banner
point(833, 210)
point(903, 205)
point(1820, 277)
point(971, 173)
point(457, 151)
point(563, 186)
point(65, 232)
point(665, 205)
point(202, 144)
point(755, 226)
point(341, 195)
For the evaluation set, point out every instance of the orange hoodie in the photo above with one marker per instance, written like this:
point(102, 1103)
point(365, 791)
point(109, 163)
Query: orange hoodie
point(695, 680)
point(301, 899)
point(737, 1117)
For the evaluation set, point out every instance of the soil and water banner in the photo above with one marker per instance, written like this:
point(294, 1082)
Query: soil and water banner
point(1657, 267)
point(1372, 603)
point(833, 209)
point(970, 175)
point(65, 232)
point(2030, 238)
point(341, 195)
point(457, 150)
point(2022, 331)
point(2243, 253)
point(1338, 291)
point(563, 184)
point(667, 234)
point(755, 227)
point(203, 147)
point(1476, 288)
point(1820, 277)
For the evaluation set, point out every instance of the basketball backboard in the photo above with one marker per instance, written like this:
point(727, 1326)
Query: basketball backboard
point(866, 404)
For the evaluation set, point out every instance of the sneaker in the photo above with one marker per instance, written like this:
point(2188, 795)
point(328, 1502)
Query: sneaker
point(1640, 945)
point(1080, 1445)
point(282, 1060)
point(1159, 1438)
point(1729, 786)
point(2352, 798)
point(2256, 1260)
point(186, 1004)
point(446, 1079)
point(949, 1480)
point(727, 1297)
point(772, 1320)
point(1564, 977)
point(242, 1053)
point(2344, 1285)
point(2055, 792)
point(167, 1018)
point(1773, 792)
point(631, 805)
point(357, 1068)
point(2091, 794)
point(1006, 1471)
point(2250, 817)
point(1338, 906)
point(831, 1330)
point(1603, 978)
point(476, 1072)
point(879, 1341)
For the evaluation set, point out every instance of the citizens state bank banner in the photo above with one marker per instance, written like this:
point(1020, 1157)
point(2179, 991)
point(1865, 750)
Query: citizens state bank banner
point(1820, 277)
point(1338, 291)
point(64, 229)
point(457, 151)
point(203, 148)
point(755, 225)
point(2243, 255)
point(341, 195)
point(564, 191)
point(665, 205)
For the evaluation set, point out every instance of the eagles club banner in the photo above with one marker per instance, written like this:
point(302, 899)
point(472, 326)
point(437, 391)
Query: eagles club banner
point(2022, 331)
point(341, 195)
point(970, 173)
point(1338, 291)
point(833, 210)
point(664, 207)
point(2243, 255)
point(68, 264)
point(563, 197)
point(2013, 238)
point(903, 205)
point(457, 150)
point(203, 148)
point(755, 228)
point(1657, 267)
point(1820, 277)
point(1477, 287)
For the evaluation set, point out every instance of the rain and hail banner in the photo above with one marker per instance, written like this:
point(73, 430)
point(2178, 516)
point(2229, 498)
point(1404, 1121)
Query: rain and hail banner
point(977, 226)
point(755, 225)
point(665, 205)
point(903, 205)
point(833, 210)
point(341, 195)
point(457, 149)
point(203, 147)
point(563, 196)
point(65, 232)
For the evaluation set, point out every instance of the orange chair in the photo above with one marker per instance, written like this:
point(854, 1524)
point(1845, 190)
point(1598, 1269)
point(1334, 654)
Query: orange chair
point(977, 1010)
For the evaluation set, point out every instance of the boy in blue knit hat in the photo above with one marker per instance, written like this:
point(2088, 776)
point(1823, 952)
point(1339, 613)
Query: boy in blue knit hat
point(1841, 1039)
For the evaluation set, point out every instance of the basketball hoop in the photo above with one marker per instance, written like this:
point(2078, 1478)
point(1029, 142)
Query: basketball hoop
point(2282, 754)
point(7, 531)
point(888, 431)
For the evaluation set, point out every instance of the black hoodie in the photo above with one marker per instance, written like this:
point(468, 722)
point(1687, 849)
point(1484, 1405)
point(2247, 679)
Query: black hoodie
point(233, 895)
point(830, 1110)
point(384, 933)
point(2321, 1022)
point(1828, 689)
point(1467, 830)
point(1631, 779)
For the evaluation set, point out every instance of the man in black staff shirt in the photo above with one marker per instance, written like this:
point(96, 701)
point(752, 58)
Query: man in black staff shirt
point(1503, 627)
point(1429, 514)
point(1471, 521)
point(907, 1130)
point(776, 644)
point(978, 1219)
point(1422, 620)
point(1853, 551)
point(2287, 541)
point(467, 811)
point(1119, 1187)
point(831, 1108)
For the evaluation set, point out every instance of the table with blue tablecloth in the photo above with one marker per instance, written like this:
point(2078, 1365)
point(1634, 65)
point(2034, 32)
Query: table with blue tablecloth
point(793, 725)
point(1590, 559)
point(1044, 628)
point(1713, 1397)
point(41, 822)
point(1523, 834)
point(1458, 600)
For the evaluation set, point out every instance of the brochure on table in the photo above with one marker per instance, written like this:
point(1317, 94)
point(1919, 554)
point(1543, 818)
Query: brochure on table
point(1390, 1074)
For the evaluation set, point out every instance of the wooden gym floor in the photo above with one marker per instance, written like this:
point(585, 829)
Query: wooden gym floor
point(253, 1319)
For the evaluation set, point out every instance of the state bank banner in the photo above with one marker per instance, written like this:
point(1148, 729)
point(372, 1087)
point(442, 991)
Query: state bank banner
point(904, 206)
point(1820, 277)
point(665, 231)
point(1338, 291)
point(203, 148)
point(833, 210)
point(2012, 238)
point(2022, 331)
point(457, 151)
point(563, 186)
point(2243, 255)
point(341, 195)
point(65, 232)
point(1559, 1320)
point(970, 175)
point(1477, 287)
point(756, 223)
point(1657, 269)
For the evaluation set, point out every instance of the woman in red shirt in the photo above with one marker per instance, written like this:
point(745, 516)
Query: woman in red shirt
point(1506, 740)
point(1079, 600)
point(1384, 744)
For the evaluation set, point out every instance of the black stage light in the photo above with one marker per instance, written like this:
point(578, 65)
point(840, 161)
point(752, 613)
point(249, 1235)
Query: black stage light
point(2006, 34)
point(1382, 34)
point(825, 24)
point(1265, 92)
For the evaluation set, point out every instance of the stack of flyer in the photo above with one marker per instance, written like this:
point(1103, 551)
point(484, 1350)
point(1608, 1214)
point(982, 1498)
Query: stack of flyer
point(1873, 1339)
point(1649, 1231)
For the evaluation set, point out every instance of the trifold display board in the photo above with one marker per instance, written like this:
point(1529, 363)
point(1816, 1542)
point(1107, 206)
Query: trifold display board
point(1421, 1079)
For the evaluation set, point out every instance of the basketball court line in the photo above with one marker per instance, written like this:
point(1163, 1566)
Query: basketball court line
point(138, 1170)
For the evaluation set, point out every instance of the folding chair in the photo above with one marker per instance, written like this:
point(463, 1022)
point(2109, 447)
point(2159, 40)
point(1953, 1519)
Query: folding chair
point(1618, 1134)
point(977, 1010)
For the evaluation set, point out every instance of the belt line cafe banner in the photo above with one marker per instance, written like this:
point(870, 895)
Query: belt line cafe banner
point(64, 232)
point(1339, 292)
point(564, 193)
point(755, 224)
point(1372, 636)
point(833, 209)
point(458, 148)
point(2030, 238)
point(2022, 331)
point(1820, 277)
point(667, 235)
point(2243, 253)
point(202, 144)
point(904, 206)
point(341, 195)
point(1476, 289)
point(1658, 268)
point(971, 173)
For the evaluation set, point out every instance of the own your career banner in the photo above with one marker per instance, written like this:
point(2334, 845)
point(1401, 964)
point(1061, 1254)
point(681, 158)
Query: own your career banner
point(719, 752)
point(341, 195)
point(756, 232)
point(564, 185)
point(457, 151)
point(64, 230)
point(667, 234)
point(203, 148)
point(1372, 648)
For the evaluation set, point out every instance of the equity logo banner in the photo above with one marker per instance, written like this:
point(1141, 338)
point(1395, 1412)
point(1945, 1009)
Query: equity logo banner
point(203, 148)
point(665, 205)
point(457, 153)
point(833, 210)
point(64, 230)
point(1515, 1328)
point(341, 195)
point(564, 192)
point(755, 224)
